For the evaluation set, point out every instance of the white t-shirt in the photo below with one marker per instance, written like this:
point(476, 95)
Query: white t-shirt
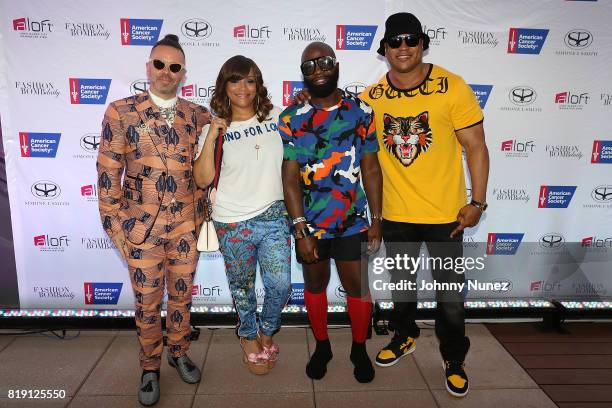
point(250, 180)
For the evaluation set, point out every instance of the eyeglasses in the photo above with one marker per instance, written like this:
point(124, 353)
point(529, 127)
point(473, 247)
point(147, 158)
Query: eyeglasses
point(159, 65)
point(325, 62)
point(411, 40)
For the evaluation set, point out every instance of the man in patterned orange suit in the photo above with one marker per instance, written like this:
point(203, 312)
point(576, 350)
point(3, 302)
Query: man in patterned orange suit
point(152, 209)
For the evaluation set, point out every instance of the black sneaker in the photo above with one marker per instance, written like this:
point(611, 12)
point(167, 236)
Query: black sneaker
point(399, 347)
point(457, 383)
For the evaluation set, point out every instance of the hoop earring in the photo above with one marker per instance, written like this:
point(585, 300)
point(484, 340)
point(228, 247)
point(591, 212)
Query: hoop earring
point(229, 103)
point(257, 104)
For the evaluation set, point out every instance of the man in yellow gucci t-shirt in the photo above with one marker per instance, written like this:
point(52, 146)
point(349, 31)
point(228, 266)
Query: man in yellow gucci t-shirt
point(425, 115)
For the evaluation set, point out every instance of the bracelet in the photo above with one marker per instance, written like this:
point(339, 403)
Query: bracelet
point(376, 217)
point(297, 220)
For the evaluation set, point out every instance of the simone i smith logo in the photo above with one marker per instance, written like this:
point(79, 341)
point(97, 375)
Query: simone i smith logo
point(601, 197)
point(354, 88)
point(522, 99)
point(578, 42)
point(139, 86)
point(197, 31)
point(89, 142)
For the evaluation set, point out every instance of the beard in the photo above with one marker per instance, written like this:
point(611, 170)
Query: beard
point(325, 89)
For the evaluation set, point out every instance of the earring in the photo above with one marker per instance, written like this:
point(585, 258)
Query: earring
point(229, 103)
point(257, 104)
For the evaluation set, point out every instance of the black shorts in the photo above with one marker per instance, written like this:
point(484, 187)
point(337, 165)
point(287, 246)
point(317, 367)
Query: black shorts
point(351, 248)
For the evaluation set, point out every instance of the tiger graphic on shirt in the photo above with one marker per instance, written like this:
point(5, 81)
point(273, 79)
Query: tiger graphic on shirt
point(407, 137)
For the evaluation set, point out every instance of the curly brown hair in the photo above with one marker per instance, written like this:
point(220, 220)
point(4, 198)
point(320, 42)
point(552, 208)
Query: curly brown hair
point(235, 69)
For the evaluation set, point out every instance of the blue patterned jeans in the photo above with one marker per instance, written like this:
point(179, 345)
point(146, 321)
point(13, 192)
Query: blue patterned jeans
point(264, 239)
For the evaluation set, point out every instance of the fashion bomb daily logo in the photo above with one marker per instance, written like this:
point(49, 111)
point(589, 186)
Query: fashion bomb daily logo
point(290, 89)
point(38, 144)
point(88, 91)
point(511, 194)
point(37, 88)
point(51, 243)
point(602, 152)
point(97, 243)
point(526, 40)
point(555, 196)
point(517, 148)
point(571, 100)
point(564, 151)
point(139, 31)
point(32, 28)
point(252, 35)
point(482, 93)
point(198, 94)
point(502, 243)
point(307, 34)
point(102, 293)
point(479, 38)
point(54, 292)
point(355, 37)
point(87, 30)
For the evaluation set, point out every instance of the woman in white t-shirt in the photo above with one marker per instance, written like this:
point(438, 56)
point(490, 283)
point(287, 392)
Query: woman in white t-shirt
point(248, 211)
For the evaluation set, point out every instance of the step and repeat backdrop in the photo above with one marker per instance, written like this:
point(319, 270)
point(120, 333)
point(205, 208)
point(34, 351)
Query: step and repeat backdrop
point(540, 70)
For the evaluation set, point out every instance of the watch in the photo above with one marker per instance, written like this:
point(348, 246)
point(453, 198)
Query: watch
point(481, 206)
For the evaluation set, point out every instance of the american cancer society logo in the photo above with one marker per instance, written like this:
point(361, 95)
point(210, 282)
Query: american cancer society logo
point(140, 31)
point(290, 89)
point(526, 40)
point(355, 37)
point(88, 91)
point(482, 93)
point(38, 144)
point(555, 196)
point(501, 243)
point(100, 293)
point(297, 294)
point(602, 152)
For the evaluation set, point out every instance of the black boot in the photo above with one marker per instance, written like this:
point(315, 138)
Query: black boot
point(317, 366)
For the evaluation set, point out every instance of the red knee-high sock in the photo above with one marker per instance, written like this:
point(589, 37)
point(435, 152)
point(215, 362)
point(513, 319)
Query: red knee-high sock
point(316, 305)
point(359, 310)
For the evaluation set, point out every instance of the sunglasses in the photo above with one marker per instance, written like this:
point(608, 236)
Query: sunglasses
point(411, 40)
point(159, 65)
point(326, 63)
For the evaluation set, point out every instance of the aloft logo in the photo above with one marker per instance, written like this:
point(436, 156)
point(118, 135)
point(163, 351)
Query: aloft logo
point(38, 144)
point(28, 28)
point(90, 192)
point(526, 40)
point(49, 243)
point(502, 243)
point(290, 89)
point(139, 31)
point(516, 148)
point(102, 293)
point(555, 196)
point(602, 152)
point(88, 91)
point(569, 100)
point(482, 93)
point(355, 37)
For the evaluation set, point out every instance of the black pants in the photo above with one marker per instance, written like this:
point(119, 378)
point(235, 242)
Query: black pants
point(406, 238)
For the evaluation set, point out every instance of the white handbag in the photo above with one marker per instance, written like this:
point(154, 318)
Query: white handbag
point(208, 241)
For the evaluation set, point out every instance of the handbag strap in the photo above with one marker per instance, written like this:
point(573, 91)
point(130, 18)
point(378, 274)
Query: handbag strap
point(218, 157)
